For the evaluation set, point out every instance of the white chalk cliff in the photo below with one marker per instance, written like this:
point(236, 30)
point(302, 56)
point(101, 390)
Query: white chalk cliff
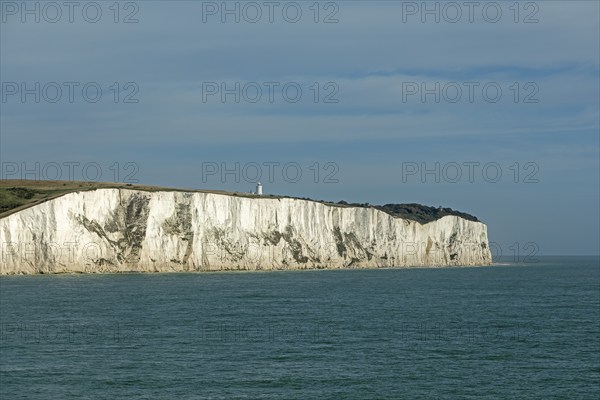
point(122, 230)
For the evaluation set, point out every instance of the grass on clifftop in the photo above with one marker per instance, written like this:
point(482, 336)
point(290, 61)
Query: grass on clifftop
point(16, 195)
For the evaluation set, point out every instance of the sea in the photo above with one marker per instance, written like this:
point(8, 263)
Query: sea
point(508, 331)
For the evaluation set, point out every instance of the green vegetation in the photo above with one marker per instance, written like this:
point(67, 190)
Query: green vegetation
point(421, 213)
point(15, 197)
point(411, 211)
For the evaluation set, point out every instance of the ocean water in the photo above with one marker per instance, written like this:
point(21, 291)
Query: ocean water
point(509, 331)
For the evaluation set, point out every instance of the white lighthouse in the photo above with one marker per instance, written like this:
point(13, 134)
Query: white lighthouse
point(259, 189)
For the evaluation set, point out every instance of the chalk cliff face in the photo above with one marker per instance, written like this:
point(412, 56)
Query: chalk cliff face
point(119, 230)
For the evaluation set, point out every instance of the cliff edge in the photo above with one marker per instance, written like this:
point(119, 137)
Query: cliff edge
point(127, 230)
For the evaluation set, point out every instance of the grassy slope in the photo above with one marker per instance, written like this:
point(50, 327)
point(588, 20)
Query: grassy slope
point(16, 195)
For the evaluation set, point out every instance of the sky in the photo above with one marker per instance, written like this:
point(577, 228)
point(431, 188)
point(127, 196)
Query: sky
point(491, 108)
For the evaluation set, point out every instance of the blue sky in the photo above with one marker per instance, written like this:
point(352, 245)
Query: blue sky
point(371, 59)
